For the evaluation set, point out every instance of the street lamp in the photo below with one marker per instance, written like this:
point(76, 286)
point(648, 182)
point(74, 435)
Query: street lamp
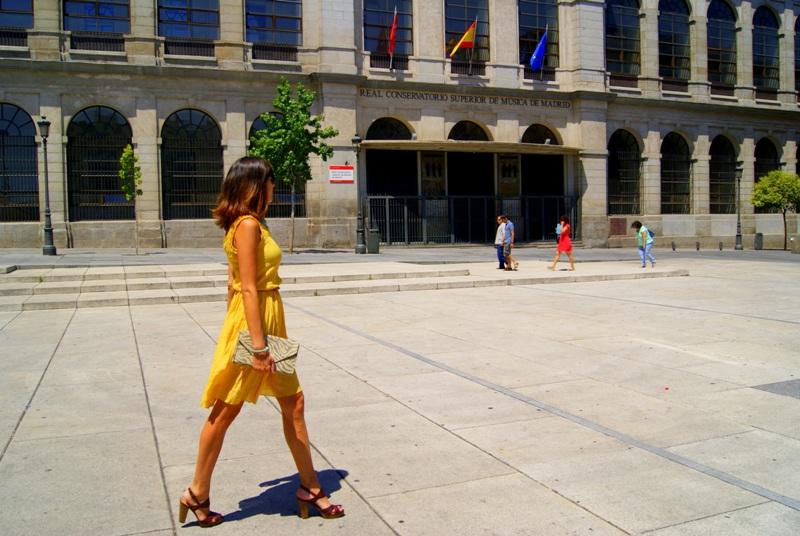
point(739, 168)
point(361, 245)
point(48, 248)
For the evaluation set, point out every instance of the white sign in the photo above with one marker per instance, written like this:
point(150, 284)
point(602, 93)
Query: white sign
point(341, 174)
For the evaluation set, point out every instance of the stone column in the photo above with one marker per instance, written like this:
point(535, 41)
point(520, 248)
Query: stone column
point(504, 43)
point(337, 46)
point(235, 130)
point(581, 36)
point(44, 40)
point(790, 156)
point(786, 92)
point(649, 79)
point(230, 47)
point(140, 44)
point(747, 157)
point(50, 107)
point(651, 173)
point(699, 86)
point(429, 42)
point(701, 175)
point(744, 55)
point(145, 138)
point(592, 171)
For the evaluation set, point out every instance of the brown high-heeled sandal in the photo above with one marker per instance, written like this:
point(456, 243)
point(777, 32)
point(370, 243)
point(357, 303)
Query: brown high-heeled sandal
point(211, 520)
point(331, 512)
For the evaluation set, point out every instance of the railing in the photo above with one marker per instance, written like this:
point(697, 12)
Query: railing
point(548, 75)
point(477, 68)
point(13, 37)
point(189, 47)
point(274, 52)
point(466, 219)
point(102, 42)
point(382, 61)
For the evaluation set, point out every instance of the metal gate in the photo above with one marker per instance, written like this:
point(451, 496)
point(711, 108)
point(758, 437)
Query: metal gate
point(19, 183)
point(93, 179)
point(466, 219)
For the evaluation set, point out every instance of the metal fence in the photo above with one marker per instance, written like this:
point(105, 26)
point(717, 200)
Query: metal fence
point(191, 174)
point(13, 37)
point(274, 52)
point(19, 184)
point(382, 61)
point(189, 47)
point(466, 219)
point(93, 179)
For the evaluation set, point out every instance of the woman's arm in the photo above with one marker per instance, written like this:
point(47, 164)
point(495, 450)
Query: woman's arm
point(246, 240)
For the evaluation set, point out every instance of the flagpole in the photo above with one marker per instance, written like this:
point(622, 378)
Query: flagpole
point(541, 69)
point(472, 50)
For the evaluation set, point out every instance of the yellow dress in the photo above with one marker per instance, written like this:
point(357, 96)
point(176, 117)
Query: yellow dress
point(228, 381)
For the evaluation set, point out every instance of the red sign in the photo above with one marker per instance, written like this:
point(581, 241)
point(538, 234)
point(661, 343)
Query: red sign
point(341, 174)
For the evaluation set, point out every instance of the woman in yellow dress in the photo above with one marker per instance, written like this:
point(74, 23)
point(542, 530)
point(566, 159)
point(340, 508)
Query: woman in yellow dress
point(254, 303)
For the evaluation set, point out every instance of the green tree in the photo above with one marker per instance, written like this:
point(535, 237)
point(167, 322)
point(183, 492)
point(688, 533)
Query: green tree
point(291, 136)
point(779, 190)
point(130, 180)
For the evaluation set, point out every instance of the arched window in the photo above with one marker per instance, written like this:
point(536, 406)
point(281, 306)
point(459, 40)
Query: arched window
point(97, 25)
point(15, 17)
point(96, 137)
point(721, 42)
point(378, 17)
point(766, 65)
point(539, 134)
point(676, 162)
point(191, 164)
point(387, 128)
point(766, 158)
point(674, 50)
point(534, 17)
point(282, 197)
point(190, 28)
point(722, 177)
point(797, 56)
point(275, 28)
point(19, 184)
point(467, 131)
point(458, 16)
point(622, 40)
point(624, 163)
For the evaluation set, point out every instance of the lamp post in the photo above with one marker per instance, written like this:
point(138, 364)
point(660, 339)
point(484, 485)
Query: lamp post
point(48, 248)
point(361, 245)
point(739, 167)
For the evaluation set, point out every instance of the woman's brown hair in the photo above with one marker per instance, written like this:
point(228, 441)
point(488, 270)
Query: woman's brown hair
point(244, 191)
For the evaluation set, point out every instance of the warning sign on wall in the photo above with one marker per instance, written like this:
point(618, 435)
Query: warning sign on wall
point(341, 174)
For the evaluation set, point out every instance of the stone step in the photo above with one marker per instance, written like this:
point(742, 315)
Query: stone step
point(303, 289)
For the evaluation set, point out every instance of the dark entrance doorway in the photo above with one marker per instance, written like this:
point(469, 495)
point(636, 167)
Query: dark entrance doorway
point(391, 172)
point(543, 194)
point(470, 188)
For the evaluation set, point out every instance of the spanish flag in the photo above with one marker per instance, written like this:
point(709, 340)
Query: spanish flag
point(468, 39)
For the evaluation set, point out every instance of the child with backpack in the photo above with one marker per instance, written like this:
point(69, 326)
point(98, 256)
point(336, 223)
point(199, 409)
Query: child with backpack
point(644, 239)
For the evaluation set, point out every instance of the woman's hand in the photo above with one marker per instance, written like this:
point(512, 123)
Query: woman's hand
point(263, 362)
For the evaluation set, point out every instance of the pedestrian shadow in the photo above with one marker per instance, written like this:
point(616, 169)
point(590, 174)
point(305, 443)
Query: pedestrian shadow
point(278, 497)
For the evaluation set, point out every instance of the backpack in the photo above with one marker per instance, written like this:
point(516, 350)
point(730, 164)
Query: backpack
point(651, 233)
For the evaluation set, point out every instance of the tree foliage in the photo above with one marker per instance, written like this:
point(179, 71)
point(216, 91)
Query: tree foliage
point(130, 174)
point(292, 135)
point(779, 190)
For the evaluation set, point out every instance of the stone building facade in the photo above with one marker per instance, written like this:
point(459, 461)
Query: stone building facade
point(657, 111)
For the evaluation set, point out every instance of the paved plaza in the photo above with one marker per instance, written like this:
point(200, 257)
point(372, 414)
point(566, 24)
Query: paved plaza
point(608, 405)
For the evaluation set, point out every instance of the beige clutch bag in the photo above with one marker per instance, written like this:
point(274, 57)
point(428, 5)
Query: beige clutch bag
point(283, 352)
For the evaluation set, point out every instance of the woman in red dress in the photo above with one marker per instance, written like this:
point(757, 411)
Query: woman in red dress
point(564, 245)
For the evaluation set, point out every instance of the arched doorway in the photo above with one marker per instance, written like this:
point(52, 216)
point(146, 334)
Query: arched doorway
point(624, 163)
point(390, 172)
point(543, 185)
point(96, 137)
point(191, 164)
point(282, 197)
point(470, 186)
point(722, 176)
point(19, 184)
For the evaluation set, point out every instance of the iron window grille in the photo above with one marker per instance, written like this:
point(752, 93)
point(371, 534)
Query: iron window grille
point(534, 17)
point(722, 177)
point(378, 17)
point(458, 15)
point(19, 183)
point(96, 137)
point(674, 50)
point(275, 28)
point(622, 38)
point(624, 169)
point(97, 25)
point(189, 26)
point(721, 45)
point(282, 200)
point(766, 62)
point(797, 57)
point(676, 165)
point(766, 160)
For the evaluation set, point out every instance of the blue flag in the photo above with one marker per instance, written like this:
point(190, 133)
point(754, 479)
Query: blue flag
point(537, 58)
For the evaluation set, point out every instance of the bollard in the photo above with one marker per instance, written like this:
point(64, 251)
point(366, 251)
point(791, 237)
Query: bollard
point(673, 245)
point(720, 245)
point(697, 246)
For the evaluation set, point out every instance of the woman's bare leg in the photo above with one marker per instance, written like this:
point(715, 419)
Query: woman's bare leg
point(296, 434)
point(571, 260)
point(211, 439)
point(555, 260)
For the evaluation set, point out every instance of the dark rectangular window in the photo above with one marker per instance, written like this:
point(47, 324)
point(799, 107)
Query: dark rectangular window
point(97, 25)
point(766, 67)
point(674, 61)
point(190, 26)
point(721, 52)
point(534, 17)
point(622, 38)
point(15, 17)
point(458, 15)
point(275, 28)
point(378, 17)
point(797, 57)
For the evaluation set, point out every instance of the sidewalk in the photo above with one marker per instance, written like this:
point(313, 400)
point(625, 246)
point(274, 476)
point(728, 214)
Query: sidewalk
point(664, 406)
